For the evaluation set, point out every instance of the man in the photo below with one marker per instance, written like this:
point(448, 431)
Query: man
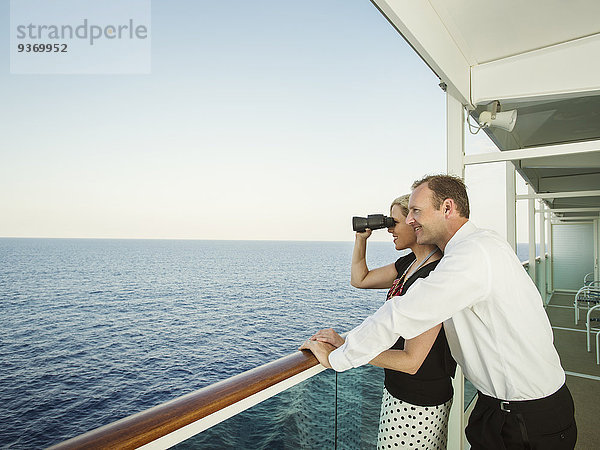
point(494, 320)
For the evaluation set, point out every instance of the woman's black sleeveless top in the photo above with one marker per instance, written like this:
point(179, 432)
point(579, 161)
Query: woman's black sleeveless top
point(432, 384)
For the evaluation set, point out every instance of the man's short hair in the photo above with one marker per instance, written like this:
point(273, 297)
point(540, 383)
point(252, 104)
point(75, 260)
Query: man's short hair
point(447, 186)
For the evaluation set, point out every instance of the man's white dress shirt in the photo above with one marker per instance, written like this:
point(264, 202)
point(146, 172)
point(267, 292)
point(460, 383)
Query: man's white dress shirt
point(493, 316)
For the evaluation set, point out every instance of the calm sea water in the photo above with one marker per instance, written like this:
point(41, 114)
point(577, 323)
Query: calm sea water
point(95, 330)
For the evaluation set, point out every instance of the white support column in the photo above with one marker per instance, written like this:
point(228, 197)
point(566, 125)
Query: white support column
point(542, 282)
point(511, 206)
point(531, 215)
point(455, 151)
point(455, 136)
point(550, 271)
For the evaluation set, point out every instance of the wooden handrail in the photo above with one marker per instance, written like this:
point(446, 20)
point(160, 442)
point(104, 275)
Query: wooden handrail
point(147, 426)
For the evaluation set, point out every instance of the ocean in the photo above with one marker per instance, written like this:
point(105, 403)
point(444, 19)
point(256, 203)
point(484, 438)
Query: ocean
point(94, 330)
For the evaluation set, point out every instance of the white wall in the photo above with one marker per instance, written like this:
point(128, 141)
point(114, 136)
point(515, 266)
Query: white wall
point(572, 254)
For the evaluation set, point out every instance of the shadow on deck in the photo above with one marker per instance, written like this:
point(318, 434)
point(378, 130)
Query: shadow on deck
point(583, 374)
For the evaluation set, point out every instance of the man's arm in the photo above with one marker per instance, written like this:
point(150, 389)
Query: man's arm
point(411, 358)
point(459, 281)
point(408, 360)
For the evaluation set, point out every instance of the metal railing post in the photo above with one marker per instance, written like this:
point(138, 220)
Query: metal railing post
point(549, 261)
point(532, 249)
point(511, 205)
point(542, 281)
point(455, 151)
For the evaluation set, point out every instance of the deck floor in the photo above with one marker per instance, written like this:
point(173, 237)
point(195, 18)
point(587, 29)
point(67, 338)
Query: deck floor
point(583, 374)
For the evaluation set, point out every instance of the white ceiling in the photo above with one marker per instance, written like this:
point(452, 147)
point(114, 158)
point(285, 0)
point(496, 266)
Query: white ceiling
point(490, 30)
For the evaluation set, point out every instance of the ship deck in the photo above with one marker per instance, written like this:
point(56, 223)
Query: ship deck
point(583, 374)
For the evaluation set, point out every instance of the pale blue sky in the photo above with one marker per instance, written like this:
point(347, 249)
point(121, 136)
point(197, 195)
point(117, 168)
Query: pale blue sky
point(261, 119)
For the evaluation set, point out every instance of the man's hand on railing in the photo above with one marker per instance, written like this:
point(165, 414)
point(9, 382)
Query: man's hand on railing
point(330, 336)
point(322, 343)
point(321, 350)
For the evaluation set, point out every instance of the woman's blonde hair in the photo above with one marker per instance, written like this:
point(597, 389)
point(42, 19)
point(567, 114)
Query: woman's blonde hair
point(402, 202)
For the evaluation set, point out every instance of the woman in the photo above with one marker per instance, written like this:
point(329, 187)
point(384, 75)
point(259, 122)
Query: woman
point(418, 388)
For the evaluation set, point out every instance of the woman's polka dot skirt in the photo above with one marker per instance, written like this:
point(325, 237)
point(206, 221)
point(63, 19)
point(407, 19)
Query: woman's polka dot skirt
point(402, 425)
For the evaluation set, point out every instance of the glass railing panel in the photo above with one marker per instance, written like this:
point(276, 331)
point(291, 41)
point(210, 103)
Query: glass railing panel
point(538, 275)
point(359, 393)
point(302, 416)
point(469, 393)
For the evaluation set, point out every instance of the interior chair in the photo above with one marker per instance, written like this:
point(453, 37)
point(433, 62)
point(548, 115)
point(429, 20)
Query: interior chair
point(588, 327)
point(597, 348)
point(588, 295)
point(588, 278)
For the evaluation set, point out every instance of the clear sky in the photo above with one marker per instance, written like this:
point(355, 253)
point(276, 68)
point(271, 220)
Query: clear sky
point(267, 119)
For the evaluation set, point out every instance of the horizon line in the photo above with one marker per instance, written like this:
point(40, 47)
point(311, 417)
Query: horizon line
point(192, 239)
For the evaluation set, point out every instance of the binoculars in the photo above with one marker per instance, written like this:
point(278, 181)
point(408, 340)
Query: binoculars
point(373, 222)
